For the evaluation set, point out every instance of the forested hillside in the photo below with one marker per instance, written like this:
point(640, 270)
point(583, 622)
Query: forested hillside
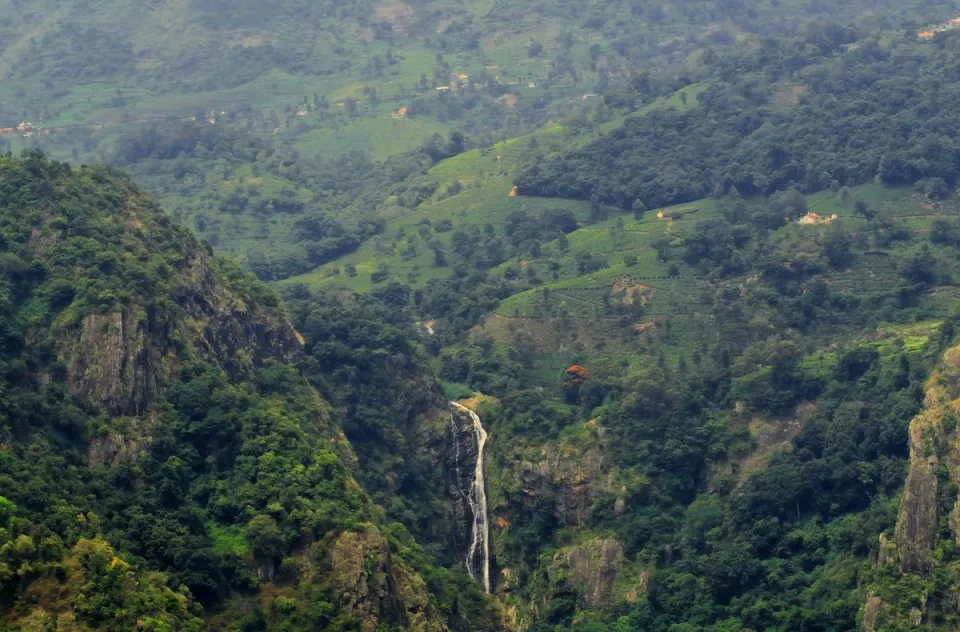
point(699, 373)
point(618, 316)
point(300, 86)
point(801, 113)
point(165, 465)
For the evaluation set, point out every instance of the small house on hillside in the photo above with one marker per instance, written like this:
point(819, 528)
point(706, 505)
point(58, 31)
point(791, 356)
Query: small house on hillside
point(815, 218)
point(399, 114)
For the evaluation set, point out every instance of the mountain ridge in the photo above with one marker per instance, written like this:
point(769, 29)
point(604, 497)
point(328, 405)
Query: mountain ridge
point(182, 428)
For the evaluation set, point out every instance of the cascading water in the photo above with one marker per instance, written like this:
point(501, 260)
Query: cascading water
point(455, 433)
point(477, 499)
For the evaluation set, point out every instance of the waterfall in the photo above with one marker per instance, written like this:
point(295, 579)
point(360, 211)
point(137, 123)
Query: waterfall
point(480, 534)
point(455, 431)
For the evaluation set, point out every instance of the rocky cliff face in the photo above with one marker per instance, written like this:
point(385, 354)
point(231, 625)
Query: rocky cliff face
point(565, 476)
point(125, 444)
point(133, 297)
point(459, 458)
point(918, 518)
point(112, 363)
point(914, 600)
point(592, 569)
point(119, 361)
point(573, 477)
point(572, 473)
point(377, 588)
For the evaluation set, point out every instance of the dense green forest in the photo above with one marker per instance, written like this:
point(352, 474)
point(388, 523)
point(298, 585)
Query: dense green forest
point(693, 266)
point(874, 113)
point(154, 422)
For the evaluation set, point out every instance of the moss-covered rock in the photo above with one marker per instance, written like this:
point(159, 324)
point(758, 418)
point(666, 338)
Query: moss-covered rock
point(910, 588)
point(376, 587)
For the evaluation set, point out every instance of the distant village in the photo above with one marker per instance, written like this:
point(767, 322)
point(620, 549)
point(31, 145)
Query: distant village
point(24, 130)
point(456, 81)
point(462, 80)
point(946, 26)
point(459, 80)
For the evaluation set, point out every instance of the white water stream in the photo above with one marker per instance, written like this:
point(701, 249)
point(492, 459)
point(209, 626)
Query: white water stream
point(480, 536)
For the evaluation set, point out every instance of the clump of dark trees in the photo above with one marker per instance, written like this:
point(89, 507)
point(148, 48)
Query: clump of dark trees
point(868, 112)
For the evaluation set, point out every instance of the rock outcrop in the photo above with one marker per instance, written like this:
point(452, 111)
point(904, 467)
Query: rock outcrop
point(932, 445)
point(117, 362)
point(918, 518)
point(112, 365)
point(459, 465)
point(126, 444)
point(228, 328)
point(573, 479)
point(378, 589)
point(592, 568)
point(137, 298)
point(913, 601)
point(871, 610)
point(573, 474)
